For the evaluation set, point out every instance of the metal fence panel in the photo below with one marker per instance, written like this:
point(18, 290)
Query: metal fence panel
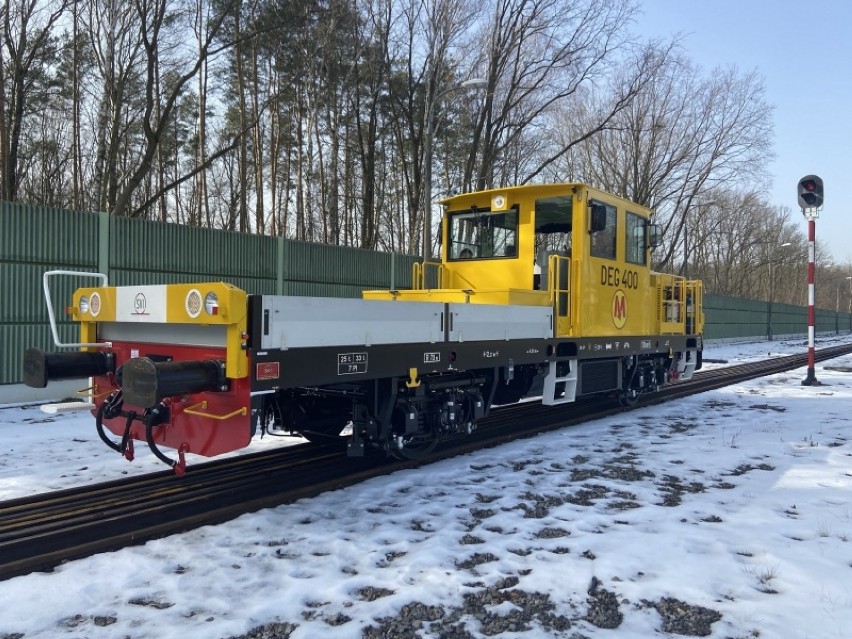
point(309, 262)
point(140, 245)
point(323, 289)
point(16, 338)
point(254, 286)
point(34, 239)
point(736, 318)
point(49, 236)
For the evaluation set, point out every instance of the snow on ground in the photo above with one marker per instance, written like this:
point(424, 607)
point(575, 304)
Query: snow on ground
point(729, 513)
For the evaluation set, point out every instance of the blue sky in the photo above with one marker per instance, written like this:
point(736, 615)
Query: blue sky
point(804, 51)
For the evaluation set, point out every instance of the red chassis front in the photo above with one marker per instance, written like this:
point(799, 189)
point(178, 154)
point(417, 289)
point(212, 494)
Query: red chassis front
point(203, 423)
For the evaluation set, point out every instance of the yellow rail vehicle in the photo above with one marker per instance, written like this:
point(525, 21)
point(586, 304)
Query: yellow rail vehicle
point(585, 255)
point(519, 246)
point(541, 290)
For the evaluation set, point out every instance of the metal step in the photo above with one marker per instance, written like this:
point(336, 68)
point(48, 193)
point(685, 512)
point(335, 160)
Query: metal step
point(65, 407)
point(548, 397)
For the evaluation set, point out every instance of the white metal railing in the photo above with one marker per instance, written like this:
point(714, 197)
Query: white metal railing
point(52, 316)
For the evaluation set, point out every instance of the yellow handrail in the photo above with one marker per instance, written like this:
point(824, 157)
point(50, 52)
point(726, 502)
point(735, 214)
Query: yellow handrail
point(191, 411)
point(94, 394)
point(680, 304)
point(559, 287)
point(418, 274)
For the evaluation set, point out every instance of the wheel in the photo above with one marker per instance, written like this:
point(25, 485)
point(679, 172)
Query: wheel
point(324, 424)
point(628, 398)
point(318, 433)
point(319, 420)
point(415, 447)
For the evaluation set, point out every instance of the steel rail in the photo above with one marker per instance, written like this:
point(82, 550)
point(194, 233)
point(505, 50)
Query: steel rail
point(43, 531)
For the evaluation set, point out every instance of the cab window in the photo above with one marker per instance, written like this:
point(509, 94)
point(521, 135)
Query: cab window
point(635, 240)
point(479, 234)
point(553, 216)
point(603, 241)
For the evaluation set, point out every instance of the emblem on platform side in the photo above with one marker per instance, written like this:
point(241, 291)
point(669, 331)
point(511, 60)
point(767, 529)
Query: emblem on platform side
point(140, 305)
point(619, 309)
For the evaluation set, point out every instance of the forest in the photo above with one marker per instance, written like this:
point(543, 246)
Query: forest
point(346, 121)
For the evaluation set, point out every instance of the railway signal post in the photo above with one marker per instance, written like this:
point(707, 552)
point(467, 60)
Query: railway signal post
point(810, 201)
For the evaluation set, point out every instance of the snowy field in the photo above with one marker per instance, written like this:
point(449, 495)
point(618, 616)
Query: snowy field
point(728, 514)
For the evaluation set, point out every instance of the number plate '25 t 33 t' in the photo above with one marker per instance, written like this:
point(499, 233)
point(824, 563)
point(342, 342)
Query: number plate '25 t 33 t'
point(351, 363)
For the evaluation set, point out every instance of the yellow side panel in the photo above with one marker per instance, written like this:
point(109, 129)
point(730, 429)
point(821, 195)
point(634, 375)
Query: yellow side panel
point(507, 296)
point(170, 304)
point(184, 303)
point(612, 299)
point(563, 327)
point(181, 297)
point(679, 304)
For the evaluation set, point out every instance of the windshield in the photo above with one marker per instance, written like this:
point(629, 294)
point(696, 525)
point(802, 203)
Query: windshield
point(479, 234)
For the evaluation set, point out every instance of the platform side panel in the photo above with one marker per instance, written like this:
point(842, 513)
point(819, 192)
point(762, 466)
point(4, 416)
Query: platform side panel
point(479, 322)
point(299, 322)
point(181, 334)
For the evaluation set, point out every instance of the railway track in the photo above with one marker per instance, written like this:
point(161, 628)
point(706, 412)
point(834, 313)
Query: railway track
point(41, 532)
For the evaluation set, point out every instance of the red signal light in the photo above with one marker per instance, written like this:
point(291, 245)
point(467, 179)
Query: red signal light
point(810, 192)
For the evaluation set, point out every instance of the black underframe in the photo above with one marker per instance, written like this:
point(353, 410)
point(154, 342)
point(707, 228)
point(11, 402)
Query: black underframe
point(300, 367)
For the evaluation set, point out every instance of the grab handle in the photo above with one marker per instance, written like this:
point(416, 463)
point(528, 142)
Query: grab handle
point(52, 317)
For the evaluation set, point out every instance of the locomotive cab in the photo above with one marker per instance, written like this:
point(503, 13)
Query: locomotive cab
point(584, 252)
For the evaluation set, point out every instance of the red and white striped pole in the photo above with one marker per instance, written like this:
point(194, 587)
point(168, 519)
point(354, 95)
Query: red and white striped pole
point(810, 199)
point(811, 379)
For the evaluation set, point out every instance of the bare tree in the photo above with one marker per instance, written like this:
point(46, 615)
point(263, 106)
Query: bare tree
point(27, 52)
point(315, 124)
point(424, 45)
point(682, 140)
point(742, 246)
point(134, 54)
point(538, 56)
point(370, 76)
point(113, 36)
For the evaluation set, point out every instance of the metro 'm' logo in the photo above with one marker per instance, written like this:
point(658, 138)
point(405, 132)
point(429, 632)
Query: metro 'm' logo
point(619, 309)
